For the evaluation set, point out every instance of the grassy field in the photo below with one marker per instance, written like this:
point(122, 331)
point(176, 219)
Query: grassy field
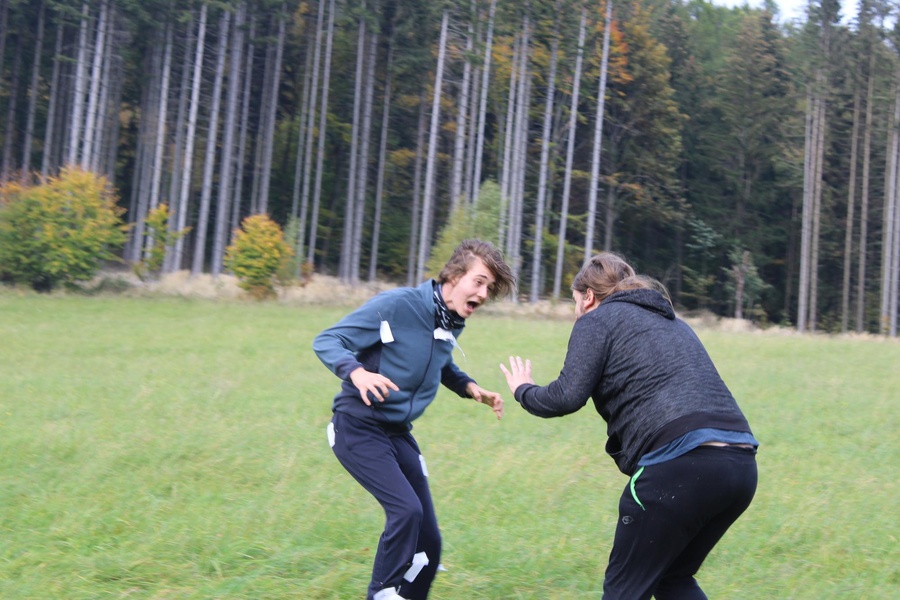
point(171, 449)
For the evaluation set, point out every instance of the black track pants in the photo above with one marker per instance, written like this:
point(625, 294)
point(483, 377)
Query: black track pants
point(670, 517)
point(391, 468)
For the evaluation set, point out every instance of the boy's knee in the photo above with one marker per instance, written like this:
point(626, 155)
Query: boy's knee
point(410, 514)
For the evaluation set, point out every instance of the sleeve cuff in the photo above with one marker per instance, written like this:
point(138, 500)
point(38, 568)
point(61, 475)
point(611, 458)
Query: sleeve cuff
point(343, 368)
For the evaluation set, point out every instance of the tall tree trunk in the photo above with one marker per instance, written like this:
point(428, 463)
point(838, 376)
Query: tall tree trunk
point(4, 21)
point(352, 176)
point(382, 159)
point(310, 129)
point(570, 153)
point(462, 110)
point(323, 119)
point(363, 165)
point(851, 205)
point(894, 296)
point(178, 150)
point(543, 174)
point(33, 93)
point(244, 132)
point(272, 109)
point(520, 152)
point(76, 116)
point(159, 135)
point(161, 121)
point(471, 151)
point(143, 172)
point(10, 129)
point(302, 134)
point(811, 136)
point(256, 163)
point(411, 270)
point(740, 280)
point(227, 167)
point(88, 158)
point(817, 220)
point(482, 109)
point(190, 140)
point(508, 137)
point(50, 145)
point(864, 201)
point(890, 204)
point(598, 140)
point(431, 162)
point(210, 160)
point(110, 102)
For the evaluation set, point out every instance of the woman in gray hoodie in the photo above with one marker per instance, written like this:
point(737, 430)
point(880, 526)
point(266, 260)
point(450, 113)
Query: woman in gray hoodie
point(673, 427)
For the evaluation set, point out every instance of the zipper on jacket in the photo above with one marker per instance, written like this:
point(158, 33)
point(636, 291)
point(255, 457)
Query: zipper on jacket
point(416, 391)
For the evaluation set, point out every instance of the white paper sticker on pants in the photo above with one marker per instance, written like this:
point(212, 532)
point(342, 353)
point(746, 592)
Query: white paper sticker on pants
point(386, 594)
point(424, 468)
point(419, 561)
point(330, 431)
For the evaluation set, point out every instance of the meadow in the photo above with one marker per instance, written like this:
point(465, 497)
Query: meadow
point(170, 448)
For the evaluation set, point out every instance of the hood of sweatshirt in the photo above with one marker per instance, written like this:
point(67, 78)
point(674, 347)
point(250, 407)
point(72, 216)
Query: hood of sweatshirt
point(647, 299)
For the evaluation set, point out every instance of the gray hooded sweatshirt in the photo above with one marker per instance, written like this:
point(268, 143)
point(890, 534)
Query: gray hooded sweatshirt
point(649, 376)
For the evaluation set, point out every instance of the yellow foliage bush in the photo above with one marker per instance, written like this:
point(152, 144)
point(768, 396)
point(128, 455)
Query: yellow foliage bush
point(256, 254)
point(59, 231)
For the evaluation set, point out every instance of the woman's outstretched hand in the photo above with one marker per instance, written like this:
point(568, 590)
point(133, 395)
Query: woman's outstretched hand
point(519, 372)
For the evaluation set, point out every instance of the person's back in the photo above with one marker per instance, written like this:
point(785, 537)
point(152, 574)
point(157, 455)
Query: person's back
point(673, 426)
point(654, 379)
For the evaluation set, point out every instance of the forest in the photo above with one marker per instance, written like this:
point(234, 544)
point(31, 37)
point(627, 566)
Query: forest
point(749, 164)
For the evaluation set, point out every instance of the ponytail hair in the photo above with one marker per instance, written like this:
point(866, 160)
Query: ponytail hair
point(607, 273)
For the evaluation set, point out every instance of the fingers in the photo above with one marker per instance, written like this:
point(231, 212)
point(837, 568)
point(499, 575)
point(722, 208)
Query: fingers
point(372, 383)
point(517, 366)
point(497, 405)
point(518, 373)
point(492, 399)
point(380, 387)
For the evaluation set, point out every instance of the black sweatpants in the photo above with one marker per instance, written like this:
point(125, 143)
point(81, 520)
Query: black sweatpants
point(670, 517)
point(391, 468)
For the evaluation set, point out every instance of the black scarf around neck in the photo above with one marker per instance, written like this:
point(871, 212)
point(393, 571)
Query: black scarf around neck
point(443, 316)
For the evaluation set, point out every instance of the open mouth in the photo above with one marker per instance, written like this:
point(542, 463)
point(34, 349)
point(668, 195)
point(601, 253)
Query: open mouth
point(472, 304)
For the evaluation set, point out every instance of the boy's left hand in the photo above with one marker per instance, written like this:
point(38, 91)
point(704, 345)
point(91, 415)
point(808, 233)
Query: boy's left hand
point(492, 399)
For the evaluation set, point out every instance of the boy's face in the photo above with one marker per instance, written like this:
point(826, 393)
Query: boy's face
point(470, 291)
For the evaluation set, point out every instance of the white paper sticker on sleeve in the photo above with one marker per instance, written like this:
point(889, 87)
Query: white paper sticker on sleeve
point(386, 335)
point(424, 468)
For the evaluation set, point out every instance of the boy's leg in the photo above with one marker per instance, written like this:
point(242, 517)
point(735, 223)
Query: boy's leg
point(418, 582)
point(368, 454)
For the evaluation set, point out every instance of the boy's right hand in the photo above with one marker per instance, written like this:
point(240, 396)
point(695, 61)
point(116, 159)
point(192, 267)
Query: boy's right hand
point(375, 383)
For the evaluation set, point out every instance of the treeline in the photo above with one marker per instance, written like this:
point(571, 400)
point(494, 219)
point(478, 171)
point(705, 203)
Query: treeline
point(750, 165)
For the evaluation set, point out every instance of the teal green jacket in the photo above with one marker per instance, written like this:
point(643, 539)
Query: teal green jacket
point(392, 334)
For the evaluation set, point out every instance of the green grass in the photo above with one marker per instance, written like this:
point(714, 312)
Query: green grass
point(173, 449)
